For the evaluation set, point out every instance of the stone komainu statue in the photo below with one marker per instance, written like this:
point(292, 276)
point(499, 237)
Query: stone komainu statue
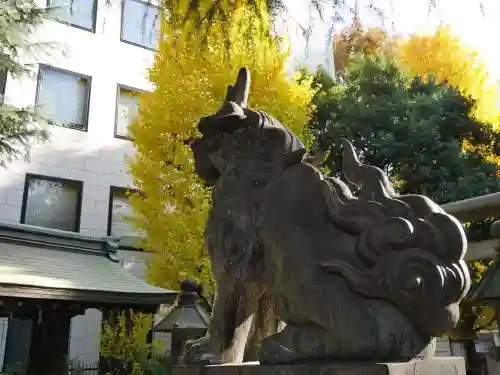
point(373, 277)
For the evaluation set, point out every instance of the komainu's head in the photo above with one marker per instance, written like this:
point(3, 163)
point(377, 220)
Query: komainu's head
point(237, 137)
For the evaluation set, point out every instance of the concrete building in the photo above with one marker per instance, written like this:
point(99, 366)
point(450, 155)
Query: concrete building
point(76, 182)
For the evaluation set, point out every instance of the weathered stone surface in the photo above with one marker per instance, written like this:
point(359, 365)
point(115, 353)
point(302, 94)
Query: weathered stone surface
point(367, 278)
point(433, 366)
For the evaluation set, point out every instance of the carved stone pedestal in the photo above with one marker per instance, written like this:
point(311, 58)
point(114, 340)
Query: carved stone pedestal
point(433, 366)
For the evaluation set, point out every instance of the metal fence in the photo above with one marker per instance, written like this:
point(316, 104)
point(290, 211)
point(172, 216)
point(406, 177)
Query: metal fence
point(83, 370)
point(72, 370)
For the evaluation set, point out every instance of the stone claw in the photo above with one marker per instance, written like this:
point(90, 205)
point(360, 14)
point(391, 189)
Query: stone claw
point(272, 353)
point(198, 352)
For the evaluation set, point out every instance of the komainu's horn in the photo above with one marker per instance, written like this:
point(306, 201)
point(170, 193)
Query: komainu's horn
point(238, 92)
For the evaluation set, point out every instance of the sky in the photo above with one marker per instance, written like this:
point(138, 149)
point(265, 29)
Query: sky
point(476, 22)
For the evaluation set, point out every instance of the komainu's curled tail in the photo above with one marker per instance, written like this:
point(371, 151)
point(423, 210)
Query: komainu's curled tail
point(412, 251)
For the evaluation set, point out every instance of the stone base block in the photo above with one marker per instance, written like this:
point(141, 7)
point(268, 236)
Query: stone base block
point(431, 366)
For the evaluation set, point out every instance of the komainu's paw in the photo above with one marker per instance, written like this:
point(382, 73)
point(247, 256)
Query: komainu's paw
point(272, 352)
point(198, 352)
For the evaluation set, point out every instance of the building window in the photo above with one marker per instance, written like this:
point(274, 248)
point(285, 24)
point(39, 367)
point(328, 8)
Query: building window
point(127, 109)
point(119, 209)
point(52, 203)
point(64, 96)
point(78, 13)
point(140, 23)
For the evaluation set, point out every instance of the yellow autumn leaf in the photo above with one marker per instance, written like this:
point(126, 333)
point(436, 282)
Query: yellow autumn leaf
point(443, 55)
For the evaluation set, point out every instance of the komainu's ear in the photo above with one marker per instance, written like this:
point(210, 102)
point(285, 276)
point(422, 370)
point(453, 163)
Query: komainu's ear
point(238, 93)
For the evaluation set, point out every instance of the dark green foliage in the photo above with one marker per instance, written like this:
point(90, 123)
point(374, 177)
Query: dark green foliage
point(18, 126)
point(18, 21)
point(411, 129)
point(414, 130)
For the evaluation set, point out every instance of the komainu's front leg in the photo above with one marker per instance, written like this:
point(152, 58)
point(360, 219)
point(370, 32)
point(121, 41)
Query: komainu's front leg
point(264, 324)
point(229, 327)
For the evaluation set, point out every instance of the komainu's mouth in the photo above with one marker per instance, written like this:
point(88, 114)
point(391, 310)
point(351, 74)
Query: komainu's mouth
point(202, 164)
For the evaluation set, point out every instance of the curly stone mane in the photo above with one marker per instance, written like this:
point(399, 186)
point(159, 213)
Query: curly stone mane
point(411, 249)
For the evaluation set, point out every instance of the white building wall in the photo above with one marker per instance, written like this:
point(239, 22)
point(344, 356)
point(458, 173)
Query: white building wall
point(86, 329)
point(85, 338)
point(95, 157)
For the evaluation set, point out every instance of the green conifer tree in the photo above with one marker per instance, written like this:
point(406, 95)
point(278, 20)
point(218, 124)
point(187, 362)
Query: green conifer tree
point(415, 129)
point(19, 127)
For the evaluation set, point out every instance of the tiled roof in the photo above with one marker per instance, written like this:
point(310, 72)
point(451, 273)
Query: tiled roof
point(40, 263)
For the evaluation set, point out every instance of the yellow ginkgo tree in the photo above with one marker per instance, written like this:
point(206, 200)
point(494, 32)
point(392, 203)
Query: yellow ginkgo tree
point(447, 58)
point(192, 69)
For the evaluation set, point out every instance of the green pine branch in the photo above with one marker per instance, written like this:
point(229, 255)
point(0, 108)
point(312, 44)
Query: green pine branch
point(20, 127)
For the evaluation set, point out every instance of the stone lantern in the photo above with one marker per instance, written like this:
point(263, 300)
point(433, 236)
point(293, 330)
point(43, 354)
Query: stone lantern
point(186, 320)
